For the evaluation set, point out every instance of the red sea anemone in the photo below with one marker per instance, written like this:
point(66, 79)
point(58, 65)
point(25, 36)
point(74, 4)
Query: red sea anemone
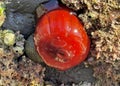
point(61, 40)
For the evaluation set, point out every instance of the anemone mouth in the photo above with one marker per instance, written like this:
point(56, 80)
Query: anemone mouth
point(58, 54)
point(59, 48)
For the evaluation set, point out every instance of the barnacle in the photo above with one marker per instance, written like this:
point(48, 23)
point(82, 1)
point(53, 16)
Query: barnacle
point(74, 4)
point(18, 48)
point(9, 37)
point(11, 42)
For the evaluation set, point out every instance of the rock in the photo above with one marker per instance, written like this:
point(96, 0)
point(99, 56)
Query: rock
point(46, 7)
point(25, 23)
point(24, 6)
point(20, 15)
point(74, 75)
point(30, 50)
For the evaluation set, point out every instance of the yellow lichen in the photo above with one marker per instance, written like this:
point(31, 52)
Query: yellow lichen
point(2, 14)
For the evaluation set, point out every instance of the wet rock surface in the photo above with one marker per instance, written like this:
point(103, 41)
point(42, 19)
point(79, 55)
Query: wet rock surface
point(20, 22)
point(21, 16)
point(74, 75)
point(24, 6)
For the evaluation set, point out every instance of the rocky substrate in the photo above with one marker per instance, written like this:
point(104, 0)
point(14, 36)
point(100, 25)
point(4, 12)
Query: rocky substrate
point(101, 19)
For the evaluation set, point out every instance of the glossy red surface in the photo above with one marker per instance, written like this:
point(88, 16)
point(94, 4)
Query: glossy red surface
point(61, 40)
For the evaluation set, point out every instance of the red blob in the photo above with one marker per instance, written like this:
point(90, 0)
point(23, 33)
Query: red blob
point(61, 40)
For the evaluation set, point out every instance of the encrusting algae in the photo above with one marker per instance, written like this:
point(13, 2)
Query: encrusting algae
point(101, 19)
point(2, 13)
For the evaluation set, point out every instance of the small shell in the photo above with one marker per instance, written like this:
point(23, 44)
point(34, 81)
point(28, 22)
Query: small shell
point(30, 50)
